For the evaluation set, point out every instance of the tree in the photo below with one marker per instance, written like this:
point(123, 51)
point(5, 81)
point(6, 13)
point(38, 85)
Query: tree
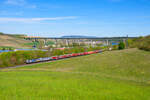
point(75, 44)
point(3, 48)
point(1, 33)
point(115, 47)
point(121, 46)
point(41, 45)
point(99, 44)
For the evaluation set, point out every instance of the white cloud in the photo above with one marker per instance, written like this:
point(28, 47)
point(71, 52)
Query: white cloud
point(23, 3)
point(32, 6)
point(35, 19)
point(10, 13)
point(15, 2)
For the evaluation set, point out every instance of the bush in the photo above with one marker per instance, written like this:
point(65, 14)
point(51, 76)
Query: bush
point(121, 46)
point(19, 57)
point(1, 33)
point(144, 46)
point(142, 43)
point(57, 52)
point(115, 47)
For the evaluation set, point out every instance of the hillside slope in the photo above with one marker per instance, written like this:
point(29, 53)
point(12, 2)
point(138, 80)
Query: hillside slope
point(141, 42)
point(12, 41)
point(115, 75)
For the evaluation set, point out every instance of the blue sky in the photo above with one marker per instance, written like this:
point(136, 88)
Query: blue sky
point(75, 17)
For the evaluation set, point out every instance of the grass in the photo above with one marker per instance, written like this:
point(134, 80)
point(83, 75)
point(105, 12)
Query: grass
point(115, 75)
point(13, 41)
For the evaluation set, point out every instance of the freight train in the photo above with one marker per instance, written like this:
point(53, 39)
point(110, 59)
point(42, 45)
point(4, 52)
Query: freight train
point(60, 57)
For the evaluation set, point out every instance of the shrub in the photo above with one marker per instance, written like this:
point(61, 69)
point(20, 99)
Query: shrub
point(18, 58)
point(121, 46)
point(142, 43)
point(57, 52)
point(1, 33)
point(115, 47)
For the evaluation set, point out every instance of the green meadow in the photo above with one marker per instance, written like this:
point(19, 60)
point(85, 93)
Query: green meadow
point(111, 75)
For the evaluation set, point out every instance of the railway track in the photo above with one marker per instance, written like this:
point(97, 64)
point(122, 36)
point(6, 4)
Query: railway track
point(54, 58)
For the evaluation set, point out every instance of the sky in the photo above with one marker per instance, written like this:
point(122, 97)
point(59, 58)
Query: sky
point(55, 18)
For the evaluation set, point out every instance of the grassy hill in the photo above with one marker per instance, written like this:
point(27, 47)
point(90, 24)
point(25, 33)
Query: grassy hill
point(141, 43)
point(113, 75)
point(13, 41)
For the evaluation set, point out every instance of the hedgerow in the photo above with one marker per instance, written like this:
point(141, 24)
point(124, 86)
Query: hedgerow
point(19, 57)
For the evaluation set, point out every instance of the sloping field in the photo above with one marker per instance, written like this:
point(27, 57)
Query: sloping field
point(115, 75)
point(11, 41)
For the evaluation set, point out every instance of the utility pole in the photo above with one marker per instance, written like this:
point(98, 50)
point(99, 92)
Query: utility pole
point(127, 42)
